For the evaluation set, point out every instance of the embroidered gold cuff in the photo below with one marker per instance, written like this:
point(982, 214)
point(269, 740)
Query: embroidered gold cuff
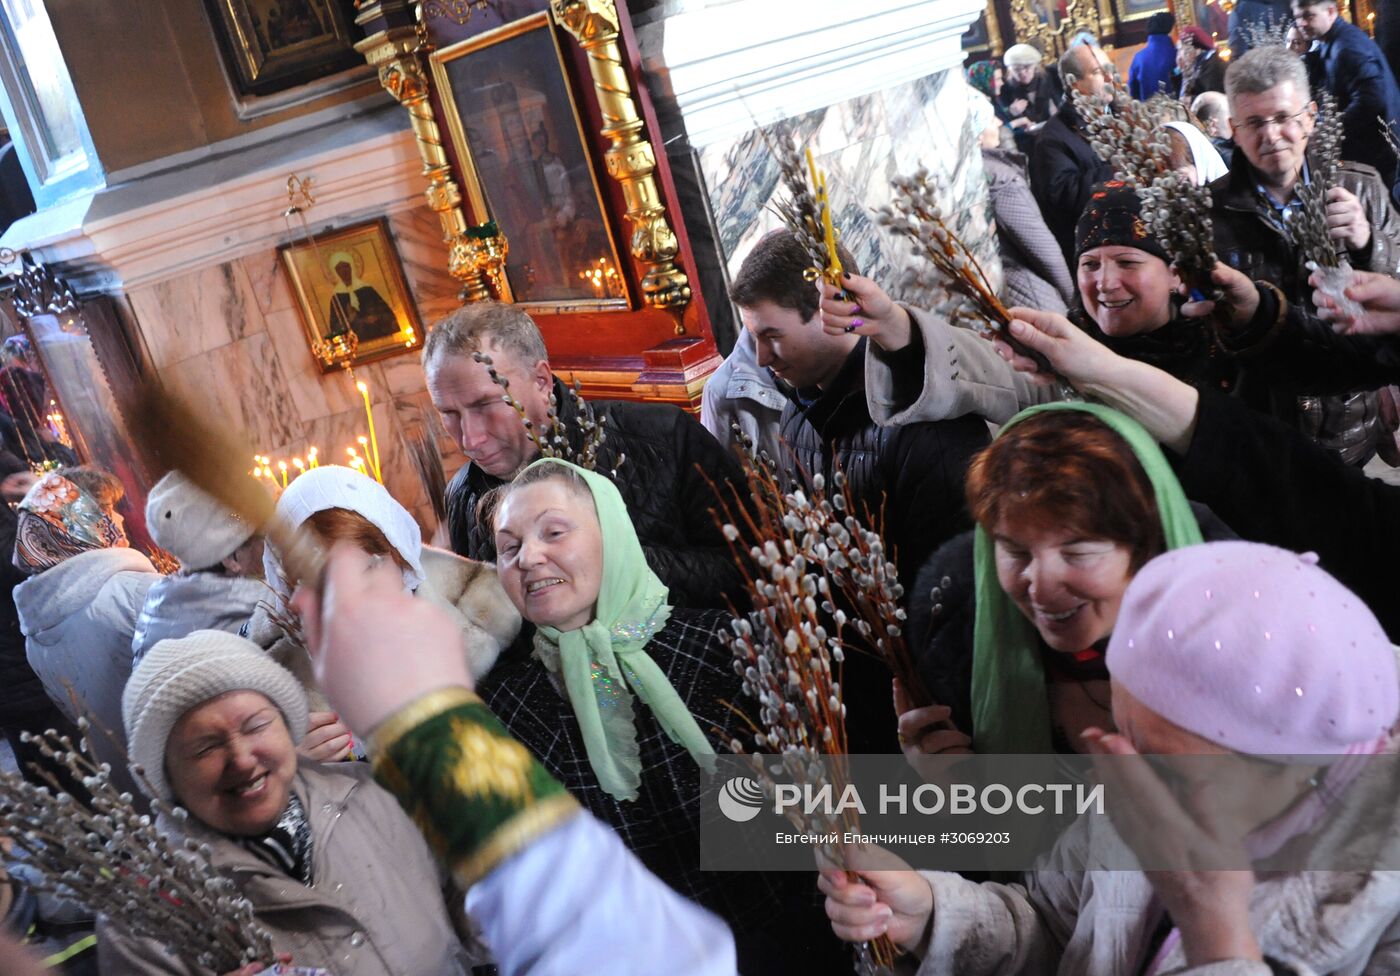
point(415, 713)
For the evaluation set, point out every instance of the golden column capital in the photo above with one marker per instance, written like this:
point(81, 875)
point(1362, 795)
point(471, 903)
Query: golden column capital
point(395, 54)
point(630, 159)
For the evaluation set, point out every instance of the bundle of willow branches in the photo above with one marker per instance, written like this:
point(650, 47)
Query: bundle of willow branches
point(107, 856)
point(1271, 31)
point(554, 442)
point(802, 554)
point(1307, 231)
point(1132, 139)
point(916, 215)
point(807, 209)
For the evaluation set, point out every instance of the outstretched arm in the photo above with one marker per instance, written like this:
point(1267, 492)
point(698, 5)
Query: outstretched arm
point(553, 891)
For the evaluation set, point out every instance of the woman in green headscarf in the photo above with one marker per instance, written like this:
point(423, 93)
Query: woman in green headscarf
point(623, 696)
point(1010, 622)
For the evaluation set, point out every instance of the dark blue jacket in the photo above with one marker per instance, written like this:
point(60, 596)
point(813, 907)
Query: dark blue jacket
point(1152, 67)
point(1359, 78)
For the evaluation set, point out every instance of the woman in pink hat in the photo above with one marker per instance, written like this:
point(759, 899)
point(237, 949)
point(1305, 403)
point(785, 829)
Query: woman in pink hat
point(1231, 650)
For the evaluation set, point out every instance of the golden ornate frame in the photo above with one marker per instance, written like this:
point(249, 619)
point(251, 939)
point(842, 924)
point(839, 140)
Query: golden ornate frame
point(438, 60)
point(1079, 15)
point(630, 159)
point(1123, 17)
point(474, 256)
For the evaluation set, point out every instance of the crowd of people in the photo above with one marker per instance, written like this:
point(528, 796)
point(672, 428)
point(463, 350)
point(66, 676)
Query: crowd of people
point(1134, 523)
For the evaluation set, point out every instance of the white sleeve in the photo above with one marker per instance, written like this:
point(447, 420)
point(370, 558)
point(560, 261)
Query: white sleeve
point(577, 901)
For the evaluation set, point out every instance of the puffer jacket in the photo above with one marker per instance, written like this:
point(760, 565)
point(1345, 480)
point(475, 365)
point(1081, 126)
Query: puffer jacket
point(78, 619)
point(742, 393)
point(669, 456)
point(178, 605)
point(1067, 921)
point(1248, 239)
point(375, 906)
point(913, 474)
point(1033, 268)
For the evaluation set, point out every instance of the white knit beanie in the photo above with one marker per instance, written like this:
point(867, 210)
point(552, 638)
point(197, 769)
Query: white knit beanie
point(194, 527)
point(335, 486)
point(177, 675)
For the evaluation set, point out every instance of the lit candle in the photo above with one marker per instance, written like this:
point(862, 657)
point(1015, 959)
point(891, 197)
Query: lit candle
point(299, 465)
point(373, 438)
point(311, 456)
point(282, 466)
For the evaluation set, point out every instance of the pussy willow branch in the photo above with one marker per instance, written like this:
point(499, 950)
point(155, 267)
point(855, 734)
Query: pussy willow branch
point(1175, 210)
point(105, 854)
point(1308, 229)
point(592, 427)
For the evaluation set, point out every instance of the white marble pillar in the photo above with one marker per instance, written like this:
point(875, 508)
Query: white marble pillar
point(875, 89)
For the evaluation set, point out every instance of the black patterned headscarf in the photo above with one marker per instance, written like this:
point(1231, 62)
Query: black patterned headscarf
point(1113, 218)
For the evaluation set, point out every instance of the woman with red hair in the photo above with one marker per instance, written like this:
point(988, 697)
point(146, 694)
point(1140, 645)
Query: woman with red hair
point(1009, 622)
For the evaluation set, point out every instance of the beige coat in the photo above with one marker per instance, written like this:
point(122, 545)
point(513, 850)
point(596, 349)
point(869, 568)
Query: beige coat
point(1101, 923)
point(375, 906)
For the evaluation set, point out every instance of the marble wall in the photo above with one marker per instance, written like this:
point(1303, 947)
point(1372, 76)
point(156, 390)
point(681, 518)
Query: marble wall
point(231, 335)
point(862, 143)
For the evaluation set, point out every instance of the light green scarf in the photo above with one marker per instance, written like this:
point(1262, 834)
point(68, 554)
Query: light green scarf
point(1010, 703)
point(600, 661)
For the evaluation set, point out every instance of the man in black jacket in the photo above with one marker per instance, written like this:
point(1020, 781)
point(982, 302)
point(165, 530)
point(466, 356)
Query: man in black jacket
point(1357, 75)
point(910, 478)
point(668, 455)
point(1064, 167)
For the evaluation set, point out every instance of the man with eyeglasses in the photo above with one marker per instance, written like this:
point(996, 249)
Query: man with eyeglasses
point(1256, 204)
point(1356, 73)
point(1064, 166)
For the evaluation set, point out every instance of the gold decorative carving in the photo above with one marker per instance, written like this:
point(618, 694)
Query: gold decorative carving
point(630, 159)
point(1080, 15)
point(457, 11)
point(394, 53)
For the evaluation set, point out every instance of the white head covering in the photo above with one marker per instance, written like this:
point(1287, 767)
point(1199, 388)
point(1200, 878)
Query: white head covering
point(1210, 166)
point(333, 486)
point(979, 111)
point(1021, 54)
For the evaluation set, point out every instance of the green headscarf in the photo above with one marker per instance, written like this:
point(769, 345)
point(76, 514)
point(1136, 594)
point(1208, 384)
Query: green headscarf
point(600, 661)
point(1010, 704)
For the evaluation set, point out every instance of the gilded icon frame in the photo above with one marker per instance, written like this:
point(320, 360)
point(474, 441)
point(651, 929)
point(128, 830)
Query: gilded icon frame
point(1132, 11)
point(376, 265)
point(492, 164)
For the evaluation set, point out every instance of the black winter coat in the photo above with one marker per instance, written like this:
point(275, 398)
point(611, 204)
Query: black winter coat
point(1064, 168)
point(662, 484)
point(913, 473)
point(1209, 77)
point(1273, 485)
point(1357, 74)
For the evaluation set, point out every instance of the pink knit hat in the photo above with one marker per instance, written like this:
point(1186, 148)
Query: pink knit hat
point(1256, 649)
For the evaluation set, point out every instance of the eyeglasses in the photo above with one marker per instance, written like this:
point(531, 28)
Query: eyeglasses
point(1285, 123)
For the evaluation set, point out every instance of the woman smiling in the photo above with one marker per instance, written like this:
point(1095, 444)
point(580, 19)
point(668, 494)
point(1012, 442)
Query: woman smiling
point(619, 694)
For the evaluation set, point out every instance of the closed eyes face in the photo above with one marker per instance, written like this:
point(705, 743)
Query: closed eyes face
point(230, 762)
point(549, 551)
point(1069, 586)
point(1126, 291)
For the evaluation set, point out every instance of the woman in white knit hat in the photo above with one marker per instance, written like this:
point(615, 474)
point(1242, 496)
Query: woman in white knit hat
point(333, 866)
